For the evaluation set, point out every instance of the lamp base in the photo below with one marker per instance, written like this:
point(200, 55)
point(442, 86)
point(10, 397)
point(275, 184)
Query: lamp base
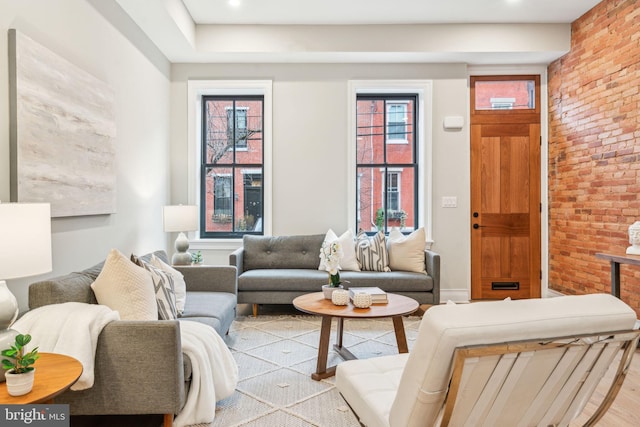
point(181, 258)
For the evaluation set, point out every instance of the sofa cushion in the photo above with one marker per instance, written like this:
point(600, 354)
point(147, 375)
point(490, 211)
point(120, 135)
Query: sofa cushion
point(163, 287)
point(406, 253)
point(126, 288)
point(349, 260)
point(216, 309)
point(312, 280)
point(179, 285)
point(375, 381)
point(392, 281)
point(372, 252)
point(282, 280)
point(272, 252)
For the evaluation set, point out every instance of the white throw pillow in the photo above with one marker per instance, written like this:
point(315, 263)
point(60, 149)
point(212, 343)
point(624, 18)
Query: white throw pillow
point(126, 288)
point(349, 262)
point(406, 253)
point(179, 285)
point(372, 252)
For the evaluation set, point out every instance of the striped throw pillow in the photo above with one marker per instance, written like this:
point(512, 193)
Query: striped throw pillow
point(371, 252)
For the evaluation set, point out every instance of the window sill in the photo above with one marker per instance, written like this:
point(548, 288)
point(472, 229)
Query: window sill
point(215, 244)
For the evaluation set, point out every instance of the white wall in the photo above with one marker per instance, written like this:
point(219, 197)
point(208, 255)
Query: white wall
point(77, 31)
point(310, 148)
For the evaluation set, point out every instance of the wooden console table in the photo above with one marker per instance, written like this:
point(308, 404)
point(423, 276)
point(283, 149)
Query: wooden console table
point(616, 260)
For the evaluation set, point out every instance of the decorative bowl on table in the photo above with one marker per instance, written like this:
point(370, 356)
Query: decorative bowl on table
point(362, 300)
point(340, 297)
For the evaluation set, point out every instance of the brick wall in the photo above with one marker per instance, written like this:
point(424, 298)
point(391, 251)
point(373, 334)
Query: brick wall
point(594, 151)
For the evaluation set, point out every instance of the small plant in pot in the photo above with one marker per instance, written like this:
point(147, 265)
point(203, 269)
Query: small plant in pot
point(196, 258)
point(19, 365)
point(330, 255)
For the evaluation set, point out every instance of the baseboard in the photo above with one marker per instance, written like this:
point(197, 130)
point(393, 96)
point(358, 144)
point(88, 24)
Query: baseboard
point(455, 295)
point(551, 293)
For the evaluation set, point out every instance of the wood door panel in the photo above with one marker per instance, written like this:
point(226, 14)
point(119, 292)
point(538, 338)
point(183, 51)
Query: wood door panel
point(520, 264)
point(505, 225)
point(505, 257)
point(505, 200)
point(491, 256)
point(490, 182)
point(519, 161)
point(502, 130)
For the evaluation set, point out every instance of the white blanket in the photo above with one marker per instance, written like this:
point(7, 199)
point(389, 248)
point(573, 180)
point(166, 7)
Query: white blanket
point(71, 328)
point(214, 373)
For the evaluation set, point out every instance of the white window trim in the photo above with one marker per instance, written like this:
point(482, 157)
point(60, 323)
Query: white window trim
point(196, 89)
point(424, 89)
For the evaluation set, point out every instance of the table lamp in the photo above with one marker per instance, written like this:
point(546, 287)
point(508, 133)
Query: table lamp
point(180, 218)
point(25, 250)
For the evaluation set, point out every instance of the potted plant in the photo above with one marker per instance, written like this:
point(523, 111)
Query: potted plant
point(20, 372)
point(196, 258)
point(330, 255)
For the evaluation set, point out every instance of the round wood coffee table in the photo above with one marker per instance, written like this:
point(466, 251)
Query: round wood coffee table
point(315, 303)
point(55, 373)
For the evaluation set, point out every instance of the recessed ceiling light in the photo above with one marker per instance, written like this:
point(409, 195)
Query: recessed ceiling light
point(234, 3)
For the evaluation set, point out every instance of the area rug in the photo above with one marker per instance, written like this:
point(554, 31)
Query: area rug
point(276, 356)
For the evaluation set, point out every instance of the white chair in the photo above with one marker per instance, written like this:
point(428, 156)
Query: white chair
point(501, 363)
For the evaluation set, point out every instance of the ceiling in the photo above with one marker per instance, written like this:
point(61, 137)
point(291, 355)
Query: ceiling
point(357, 30)
point(385, 11)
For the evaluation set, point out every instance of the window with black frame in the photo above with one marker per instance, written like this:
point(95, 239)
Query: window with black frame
point(387, 167)
point(232, 167)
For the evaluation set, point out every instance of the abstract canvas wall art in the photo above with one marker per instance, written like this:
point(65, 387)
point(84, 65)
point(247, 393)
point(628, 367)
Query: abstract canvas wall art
point(62, 133)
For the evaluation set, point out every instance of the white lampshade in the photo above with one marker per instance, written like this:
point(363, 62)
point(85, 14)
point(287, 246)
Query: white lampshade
point(25, 236)
point(180, 218)
point(25, 250)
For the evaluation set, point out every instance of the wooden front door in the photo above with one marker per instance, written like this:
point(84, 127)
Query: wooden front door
point(505, 187)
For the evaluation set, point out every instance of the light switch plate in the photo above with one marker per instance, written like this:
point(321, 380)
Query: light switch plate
point(449, 202)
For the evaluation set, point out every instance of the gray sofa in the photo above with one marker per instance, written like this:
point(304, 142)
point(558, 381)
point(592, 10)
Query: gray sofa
point(275, 270)
point(160, 384)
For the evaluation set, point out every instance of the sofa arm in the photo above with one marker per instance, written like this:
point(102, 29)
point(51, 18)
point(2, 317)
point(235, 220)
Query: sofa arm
point(236, 258)
point(212, 278)
point(432, 263)
point(138, 370)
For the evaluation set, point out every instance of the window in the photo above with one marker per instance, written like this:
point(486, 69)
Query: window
point(397, 122)
point(232, 197)
point(393, 192)
point(237, 127)
point(221, 198)
point(505, 95)
point(387, 172)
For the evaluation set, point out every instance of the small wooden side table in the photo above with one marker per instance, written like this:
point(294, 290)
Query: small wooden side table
point(55, 373)
point(315, 303)
point(616, 260)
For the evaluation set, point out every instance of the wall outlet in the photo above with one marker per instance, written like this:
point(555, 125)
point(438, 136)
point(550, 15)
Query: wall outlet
point(450, 202)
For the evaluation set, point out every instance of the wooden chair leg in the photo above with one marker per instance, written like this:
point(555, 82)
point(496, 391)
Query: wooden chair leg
point(168, 420)
point(255, 310)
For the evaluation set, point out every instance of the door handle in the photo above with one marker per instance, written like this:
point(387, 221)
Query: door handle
point(476, 226)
